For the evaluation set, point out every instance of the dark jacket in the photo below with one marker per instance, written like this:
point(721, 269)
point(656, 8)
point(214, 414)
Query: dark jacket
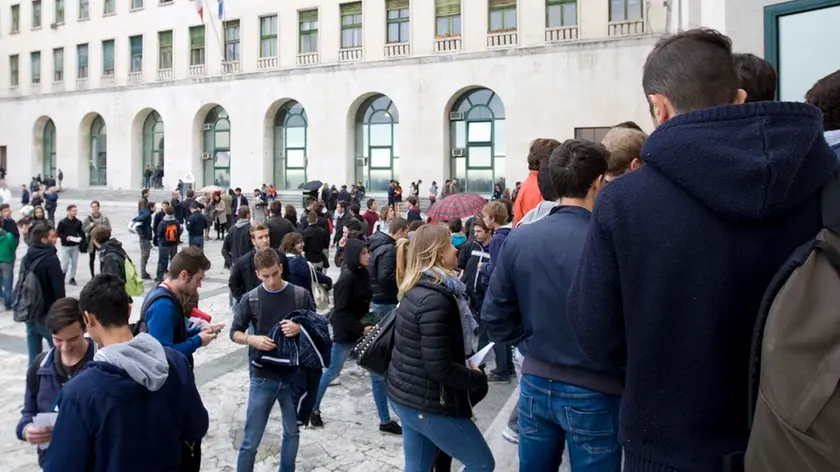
point(237, 242)
point(177, 210)
point(383, 268)
point(48, 272)
point(469, 255)
point(310, 349)
point(160, 231)
point(156, 219)
point(428, 369)
point(499, 237)
point(24, 197)
point(278, 228)
point(300, 275)
point(351, 296)
point(678, 257)
point(50, 201)
point(144, 230)
point(67, 227)
point(343, 196)
point(196, 224)
point(243, 277)
point(321, 222)
point(238, 202)
point(43, 386)
point(315, 241)
point(339, 226)
point(112, 258)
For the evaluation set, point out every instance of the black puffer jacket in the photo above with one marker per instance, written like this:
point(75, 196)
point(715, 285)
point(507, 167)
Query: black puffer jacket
point(352, 296)
point(383, 268)
point(428, 369)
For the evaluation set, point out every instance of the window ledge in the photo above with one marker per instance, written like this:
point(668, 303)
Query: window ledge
point(59, 23)
point(109, 14)
point(84, 19)
point(36, 28)
point(163, 3)
point(132, 10)
point(14, 32)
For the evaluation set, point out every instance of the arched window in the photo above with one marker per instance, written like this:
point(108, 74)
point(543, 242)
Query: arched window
point(477, 141)
point(153, 144)
point(217, 148)
point(48, 159)
point(98, 152)
point(377, 149)
point(290, 140)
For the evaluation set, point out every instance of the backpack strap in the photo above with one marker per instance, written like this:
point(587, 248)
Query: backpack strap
point(179, 308)
point(254, 301)
point(830, 203)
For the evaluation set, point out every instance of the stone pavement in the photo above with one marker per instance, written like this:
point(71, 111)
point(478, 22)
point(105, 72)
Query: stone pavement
point(349, 442)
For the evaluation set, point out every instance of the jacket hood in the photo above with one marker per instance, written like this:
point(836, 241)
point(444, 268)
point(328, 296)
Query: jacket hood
point(112, 245)
point(458, 239)
point(751, 161)
point(242, 223)
point(537, 213)
point(38, 250)
point(142, 359)
point(353, 254)
point(168, 218)
point(379, 239)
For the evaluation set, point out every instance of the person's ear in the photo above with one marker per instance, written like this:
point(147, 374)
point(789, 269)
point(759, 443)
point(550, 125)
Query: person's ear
point(636, 164)
point(740, 97)
point(661, 108)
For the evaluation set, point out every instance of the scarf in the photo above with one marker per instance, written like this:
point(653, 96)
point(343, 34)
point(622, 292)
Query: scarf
point(459, 290)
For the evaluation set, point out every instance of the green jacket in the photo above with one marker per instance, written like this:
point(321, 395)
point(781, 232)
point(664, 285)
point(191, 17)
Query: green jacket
point(8, 246)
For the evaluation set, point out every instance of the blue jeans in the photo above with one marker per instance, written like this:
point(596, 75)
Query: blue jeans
point(165, 254)
point(7, 277)
point(338, 356)
point(379, 311)
point(552, 413)
point(197, 241)
point(425, 433)
point(35, 332)
point(263, 394)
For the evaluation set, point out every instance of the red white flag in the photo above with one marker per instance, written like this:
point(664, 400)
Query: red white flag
point(199, 8)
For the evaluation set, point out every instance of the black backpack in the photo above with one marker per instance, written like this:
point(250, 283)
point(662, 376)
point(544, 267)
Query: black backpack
point(180, 334)
point(28, 297)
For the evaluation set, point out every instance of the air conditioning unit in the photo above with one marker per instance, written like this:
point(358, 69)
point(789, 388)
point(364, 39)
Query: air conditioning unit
point(456, 115)
point(459, 152)
point(53, 25)
point(208, 127)
point(361, 161)
point(205, 156)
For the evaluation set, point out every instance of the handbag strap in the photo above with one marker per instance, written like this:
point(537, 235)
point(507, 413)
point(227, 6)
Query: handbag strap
point(312, 276)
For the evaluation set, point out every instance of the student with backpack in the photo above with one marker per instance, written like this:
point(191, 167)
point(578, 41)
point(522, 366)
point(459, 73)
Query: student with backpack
point(8, 246)
point(39, 285)
point(168, 235)
point(114, 260)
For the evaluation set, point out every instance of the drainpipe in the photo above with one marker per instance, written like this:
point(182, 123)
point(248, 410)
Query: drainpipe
point(667, 5)
point(680, 15)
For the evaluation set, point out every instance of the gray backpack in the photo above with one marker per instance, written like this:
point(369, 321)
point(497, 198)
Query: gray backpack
point(28, 298)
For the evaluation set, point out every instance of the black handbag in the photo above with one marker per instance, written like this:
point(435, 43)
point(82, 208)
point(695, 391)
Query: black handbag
point(373, 352)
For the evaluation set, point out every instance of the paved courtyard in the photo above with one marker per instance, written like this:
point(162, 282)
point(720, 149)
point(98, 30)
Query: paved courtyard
point(349, 441)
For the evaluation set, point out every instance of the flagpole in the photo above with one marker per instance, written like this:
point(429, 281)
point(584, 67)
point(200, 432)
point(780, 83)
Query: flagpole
point(216, 32)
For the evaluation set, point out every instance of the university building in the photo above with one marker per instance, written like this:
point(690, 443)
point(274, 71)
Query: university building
point(252, 92)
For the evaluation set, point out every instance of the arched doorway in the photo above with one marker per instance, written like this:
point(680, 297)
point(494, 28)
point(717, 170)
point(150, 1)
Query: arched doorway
point(290, 142)
point(377, 150)
point(153, 146)
point(216, 156)
point(477, 140)
point(98, 152)
point(48, 159)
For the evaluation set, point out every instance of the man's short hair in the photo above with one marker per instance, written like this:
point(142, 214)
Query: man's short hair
point(371, 202)
point(94, 202)
point(318, 208)
point(456, 225)
point(150, 206)
point(825, 95)
point(310, 200)
point(190, 259)
point(104, 297)
point(415, 225)
point(266, 258)
point(4, 206)
point(100, 234)
point(355, 208)
point(165, 203)
point(497, 211)
point(624, 145)
point(575, 165)
point(238, 189)
point(540, 151)
point(693, 69)
point(168, 209)
point(353, 225)
point(290, 241)
point(70, 207)
point(630, 125)
point(258, 227)
point(397, 224)
point(276, 208)
point(479, 223)
point(190, 193)
point(244, 213)
point(63, 313)
point(38, 232)
point(756, 76)
point(312, 218)
point(342, 204)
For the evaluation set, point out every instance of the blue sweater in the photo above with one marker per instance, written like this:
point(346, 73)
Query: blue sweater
point(675, 265)
point(161, 317)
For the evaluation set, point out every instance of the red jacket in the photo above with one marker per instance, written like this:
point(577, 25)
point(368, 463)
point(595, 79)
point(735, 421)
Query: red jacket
point(528, 198)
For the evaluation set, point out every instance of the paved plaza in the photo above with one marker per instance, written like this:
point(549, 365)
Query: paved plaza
point(350, 440)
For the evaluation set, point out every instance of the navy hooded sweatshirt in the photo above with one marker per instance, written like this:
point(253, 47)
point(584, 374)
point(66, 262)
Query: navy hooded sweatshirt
point(676, 262)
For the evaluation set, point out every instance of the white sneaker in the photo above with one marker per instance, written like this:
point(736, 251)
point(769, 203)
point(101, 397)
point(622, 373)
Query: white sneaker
point(510, 435)
point(336, 381)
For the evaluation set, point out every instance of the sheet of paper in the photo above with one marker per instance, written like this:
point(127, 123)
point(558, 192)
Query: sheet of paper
point(75, 239)
point(44, 420)
point(481, 357)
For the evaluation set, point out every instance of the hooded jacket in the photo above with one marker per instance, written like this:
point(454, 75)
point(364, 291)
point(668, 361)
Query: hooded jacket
point(469, 256)
point(383, 268)
point(237, 242)
point(112, 258)
point(537, 213)
point(145, 219)
point(48, 272)
point(160, 231)
point(495, 245)
point(352, 295)
point(128, 410)
point(278, 228)
point(678, 257)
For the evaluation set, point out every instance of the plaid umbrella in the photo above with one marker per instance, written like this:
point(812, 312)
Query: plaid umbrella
point(459, 205)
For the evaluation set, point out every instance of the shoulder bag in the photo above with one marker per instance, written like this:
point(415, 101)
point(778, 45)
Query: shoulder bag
point(373, 352)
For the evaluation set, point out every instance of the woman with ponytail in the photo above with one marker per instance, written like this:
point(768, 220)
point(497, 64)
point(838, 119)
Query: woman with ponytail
point(430, 385)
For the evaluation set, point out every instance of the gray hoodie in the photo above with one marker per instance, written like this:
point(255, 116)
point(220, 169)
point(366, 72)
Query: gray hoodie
point(143, 359)
point(537, 213)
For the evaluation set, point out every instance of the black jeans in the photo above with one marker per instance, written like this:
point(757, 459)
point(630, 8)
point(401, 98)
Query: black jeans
point(92, 254)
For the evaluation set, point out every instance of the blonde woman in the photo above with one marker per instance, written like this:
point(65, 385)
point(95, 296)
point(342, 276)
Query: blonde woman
point(385, 216)
point(430, 385)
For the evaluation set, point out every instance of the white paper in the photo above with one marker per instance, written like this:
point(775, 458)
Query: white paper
point(44, 420)
point(75, 239)
point(481, 357)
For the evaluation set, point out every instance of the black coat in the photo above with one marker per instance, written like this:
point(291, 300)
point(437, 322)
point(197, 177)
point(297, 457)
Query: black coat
point(48, 272)
point(278, 228)
point(383, 268)
point(243, 277)
point(237, 242)
point(112, 258)
point(352, 294)
point(428, 369)
point(315, 241)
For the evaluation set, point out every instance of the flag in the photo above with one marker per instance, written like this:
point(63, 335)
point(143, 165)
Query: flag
point(199, 8)
point(221, 8)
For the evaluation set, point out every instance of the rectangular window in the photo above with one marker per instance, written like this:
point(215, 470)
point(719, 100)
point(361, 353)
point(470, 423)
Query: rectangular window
point(502, 16)
point(165, 49)
point(268, 36)
point(560, 13)
point(59, 11)
point(399, 22)
point(448, 18)
point(308, 42)
point(36, 14)
point(136, 48)
point(15, 18)
point(625, 10)
point(84, 9)
point(82, 61)
point(351, 25)
point(197, 45)
point(596, 135)
point(232, 41)
point(136, 4)
point(110, 7)
point(108, 58)
point(35, 61)
point(58, 65)
point(14, 70)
